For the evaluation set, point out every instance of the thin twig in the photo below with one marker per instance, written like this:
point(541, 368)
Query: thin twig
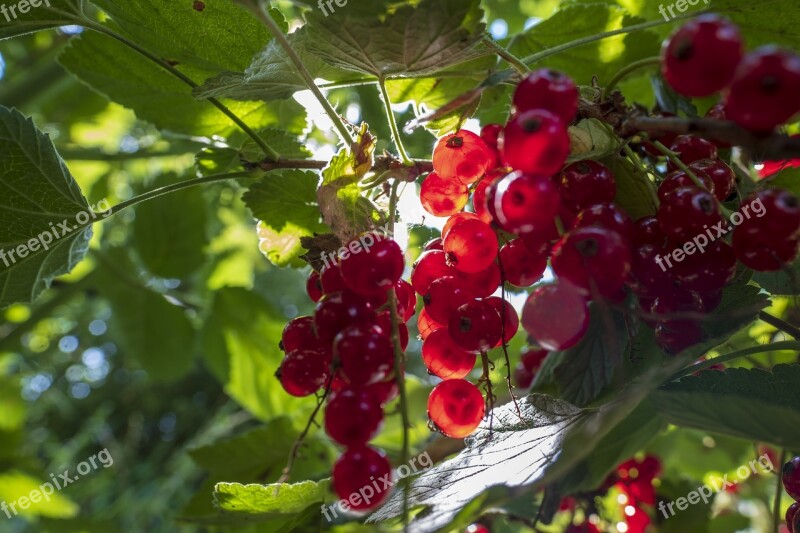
point(779, 324)
point(517, 63)
point(783, 345)
point(776, 506)
point(486, 381)
point(503, 315)
point(398, 142)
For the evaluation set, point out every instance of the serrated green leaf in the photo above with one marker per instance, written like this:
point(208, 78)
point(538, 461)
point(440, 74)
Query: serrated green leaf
point(752, 404)
point(765, 22)
point(290, 503)
point(42, 231)
point(633, 191)
point(285, 143)
point(420, 39)
point(285, 202)
point(216, 160)
point(781, 283)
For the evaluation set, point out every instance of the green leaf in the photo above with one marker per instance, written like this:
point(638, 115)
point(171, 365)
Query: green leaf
point(291, 503)
point(590, 139)
point(781, 283)
point(16, 23)
point(15, 484)
point(169, 232)
point(633, 193)
point(788, 178)
point(285, 202)
point(45, 222)
point(749, 403)
point(423, 39)
point(12, 406)
point(130, 79)
point(216, 160)
point(286, 143)
point(765, 22)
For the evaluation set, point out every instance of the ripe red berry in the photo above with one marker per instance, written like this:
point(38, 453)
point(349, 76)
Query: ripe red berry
point(764, 91)
point(406, 299)
point(480, 284)
point(649, 271)
point(303, 372)
point(701, 57)
point(426, 325)
point(353, 416)
point(299, 334)
point(521, 266)
point(433, 244)
point(647, 231)
point(360, 467)
point(509, 316)
point(462, 156)
point(677, 335)
point(772, 215)
point(444, 358)
point(593, 259)
point(550, 90)
point(721, 174)
point(676, 301)
point(314, 286)
point(331, 279)
point(456, 408)
point(385, 391)
point(761, 256)
point(444, 296)
point(691, 148)
point(708, 270)
point(687, 212)
point(490, 133)
point(364, 353)
point(556, 316)
point(790, 475)
point(429, 267)
point(455, 219)
point(475, 326)
point(585, 183)
point(339, 310)
point(529, 364)
point(479, 195)
point(535, 142)
point(790, 514)
point(470, 246)
point(679, 178)
point(443, 197)
point(608, 216)
point(372, 269)
point(384, 321)
point(523, 203)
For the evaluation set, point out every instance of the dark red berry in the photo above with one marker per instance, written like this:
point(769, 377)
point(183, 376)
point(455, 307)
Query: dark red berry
point(364, 353)
point(707, 270)
point(303, 372)
point(535, 142)
point(521, 266)
point(444, 358)
point(475, 326)
point(523, 203)
point(443, 197)
point(314, 286)
point(679, 178)
point(339, 310)
point(550, 90)
point(721, 174)
point(691, 148)
point(372, 268)
point(509, 316)
point(528, 366)
point(359, 467)
point(353, 416)
point(677, 335)
point(594, 259)
point(456, 408)
point(331, 279)
point(790, 475)
point(406, 299)
point(687, 212)
point(762, 256)
point(647, 231)
point(429, 267)
point(384, 321)
point(650, 273)
point(462, 156)
point(608, 216)
point(479, 195)
point(490, 133)
point(556, 316)
point(480, 284)
point(790, 514)
point(299, 334)
point(771, 215)
point(444, 296)
point(586, 183)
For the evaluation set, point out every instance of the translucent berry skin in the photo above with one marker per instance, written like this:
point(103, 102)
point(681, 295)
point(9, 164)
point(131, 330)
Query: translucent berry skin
point(339, 310)
point(455, 219)
point(444, 296)
point(385, 391)
point(721, 174)
point(331, 279)
point(456, 408)
point(701, 57)
point(790, 475)
point(384, 321)
point(550, 90)
point(761, 256)
point(707, 271)
point(647, 231)
point(314, 286)
point(479, 195)
point(490, 133)
point(444, 358)
point(443, 197)
point(430, 266)
point(594, 259)
point(353, 416)
point(364, 353)
point(763, 94)
point(585, 183)
point(509, 316)
point(480, 284)
point(608, 216)
point(470, 246)
point(299, 334)
point(462, 156)
point(375, 269)
point(426, 325)
point(475, 326)
point(303, 372)
point(433, 244)
point(406, 299)
point(679, 178)
point(524, 203)
point(521, 266)
point(687, 212)
point(556, 316)
point(535, 142)
point(691, 148)
point(359, 467)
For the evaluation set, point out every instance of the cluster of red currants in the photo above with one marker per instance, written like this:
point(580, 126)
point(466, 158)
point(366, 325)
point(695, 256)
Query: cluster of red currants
point(346, 349)
point(791, 483)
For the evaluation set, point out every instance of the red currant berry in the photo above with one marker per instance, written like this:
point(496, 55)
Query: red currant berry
point(556, 316)
point(406, 299)
point(687, 212)
point(708, 270)
point(299, 335)
point(331, 279)
point(443, 197)
point(550, 90)
point(586, 183)
point(647, 231)
point(649, 273)
point(530, 362)
point(535, 142)
point(339, 310)
point(455, 219)
point(480, 284)
point(777, 216)
point(677, 335)
point(314, 286)
point(479, 195)
point(522, 267)
point(608, 216)
point(677, 301)
point(523, 203)
point(490, 133)
point(701, 57)
point(372, 269)
point(475, 326)
point(456, 408)
point(462, 156)
point(360, 467)
point(721, 174)
point(691, 148)
point(303, 372)
point(791, 512)
point(384, 322)
point(364, 353)
point(444, 296)
point(594, 259)
point(477, 528)
point(470, 246)
point(385, 391)
point(429, 267)
point(353, 416)
point(444, 358)
point(764, 91)
point(711, 300)
point(426, 325)
point(761, 256)
point(433, 244)
point(790, 475)
point(679, 178)
point(509, 316)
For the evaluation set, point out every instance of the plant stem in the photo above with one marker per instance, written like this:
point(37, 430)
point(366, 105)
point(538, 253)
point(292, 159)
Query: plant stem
point(393, 125)
point(625, 71)
point(779, 324)
point(277, 33)
point(538, 56)
point(776, 506)
point(640, 167)
point(398, 363)
point(267, 149)
point(517, 63)
point(762, 348)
